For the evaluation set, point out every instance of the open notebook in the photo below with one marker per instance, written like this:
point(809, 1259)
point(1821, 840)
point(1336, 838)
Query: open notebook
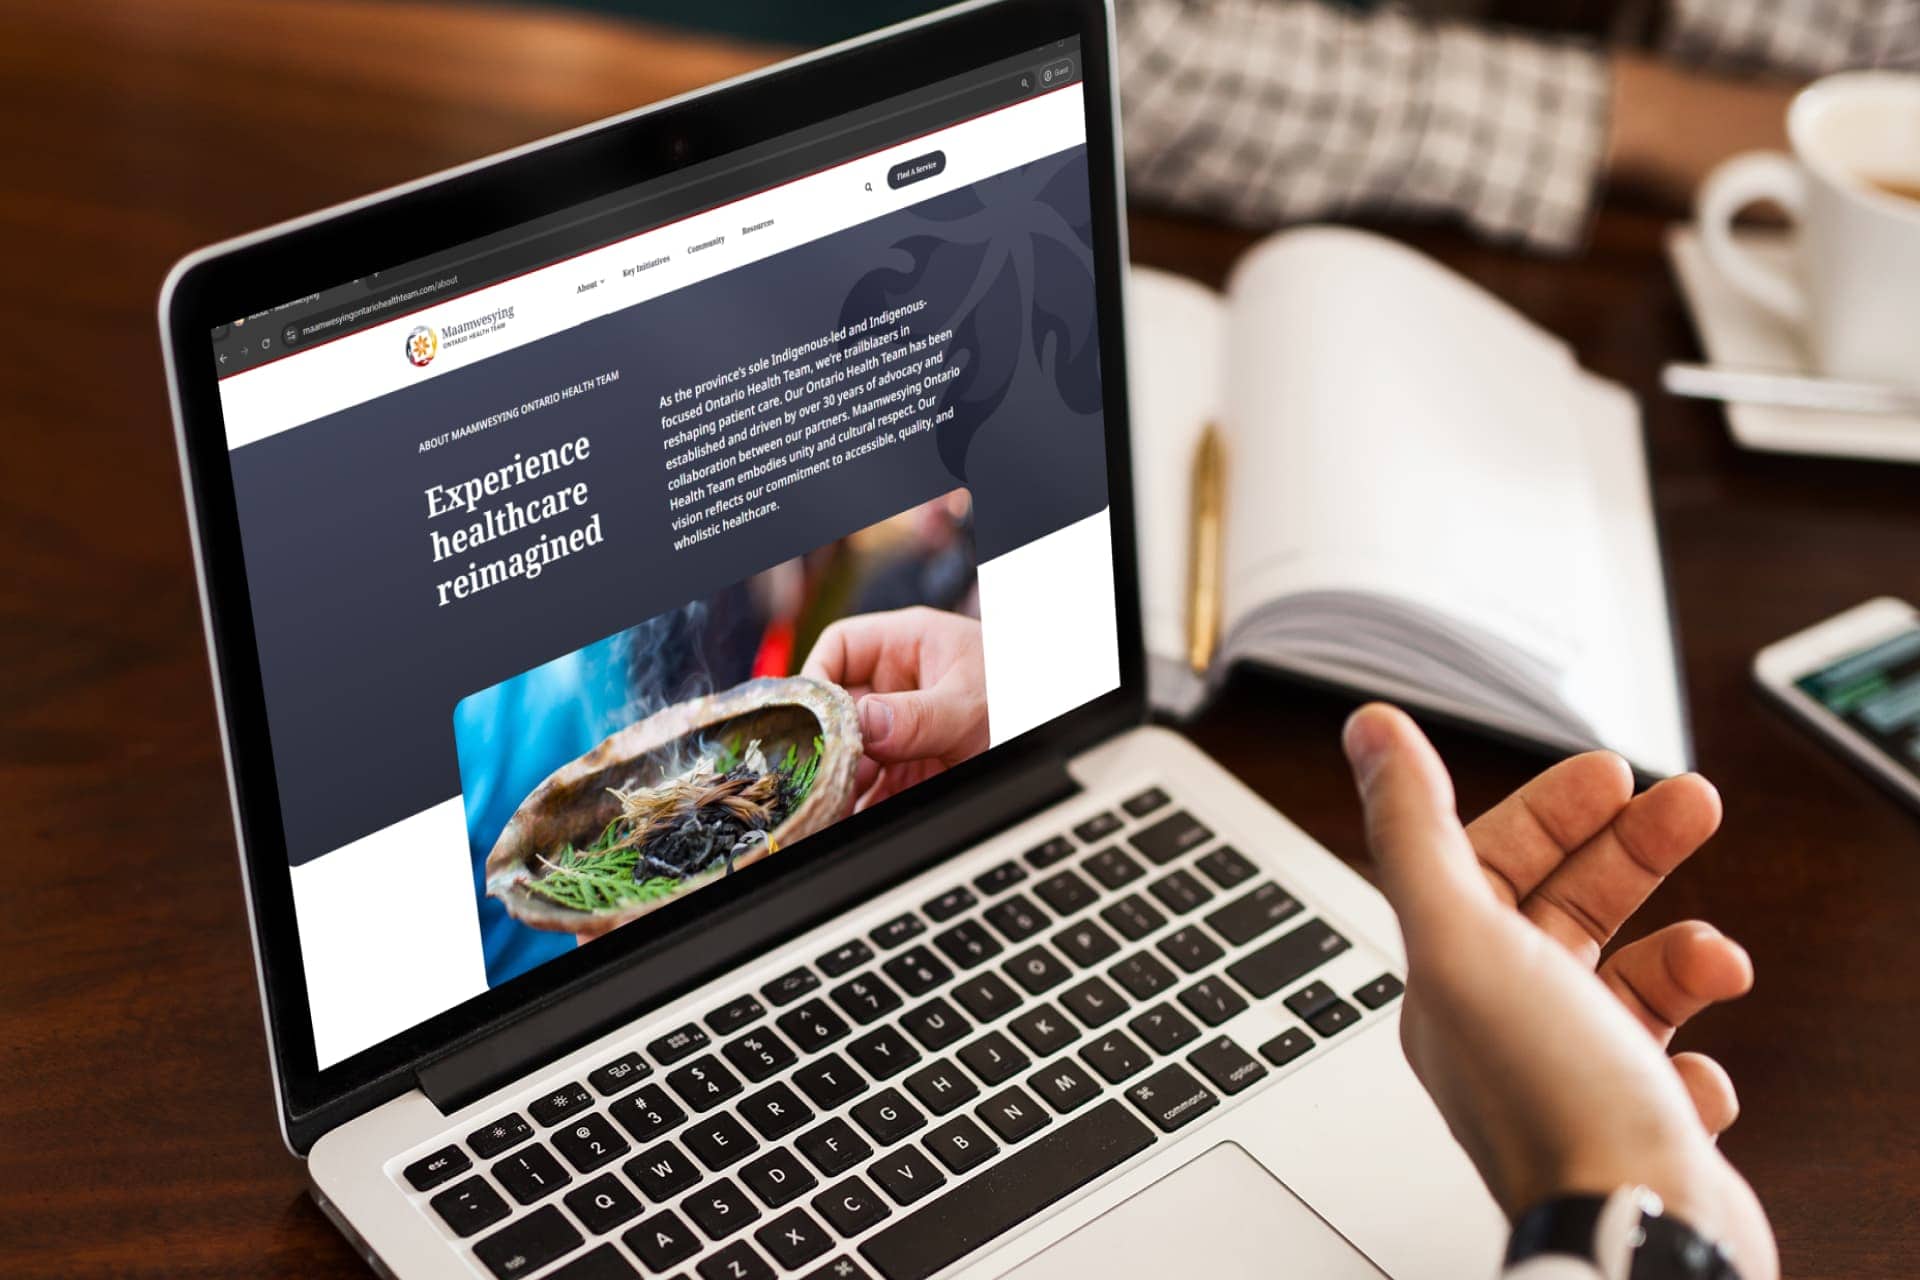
point(1426, 498)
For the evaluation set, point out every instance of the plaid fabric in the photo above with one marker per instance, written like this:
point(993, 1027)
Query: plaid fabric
point(1271, 111)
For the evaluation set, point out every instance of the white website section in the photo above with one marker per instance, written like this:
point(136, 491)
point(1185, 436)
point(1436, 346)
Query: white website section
point(449, 336)
point(378, 964)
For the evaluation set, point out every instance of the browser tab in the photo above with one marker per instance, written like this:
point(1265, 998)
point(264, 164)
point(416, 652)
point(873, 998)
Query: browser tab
point(917, 169)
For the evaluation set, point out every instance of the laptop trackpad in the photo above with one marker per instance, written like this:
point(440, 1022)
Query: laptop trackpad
point(1221, 1215)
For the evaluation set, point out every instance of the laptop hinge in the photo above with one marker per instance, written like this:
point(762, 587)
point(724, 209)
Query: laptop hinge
point(750, 927)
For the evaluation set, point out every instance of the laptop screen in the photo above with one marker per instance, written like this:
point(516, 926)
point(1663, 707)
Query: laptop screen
point(619, 553)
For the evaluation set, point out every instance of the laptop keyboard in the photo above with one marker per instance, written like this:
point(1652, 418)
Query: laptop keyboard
point(920, 1090)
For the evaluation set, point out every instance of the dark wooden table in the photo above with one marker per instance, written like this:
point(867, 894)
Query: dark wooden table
point(136, 1117)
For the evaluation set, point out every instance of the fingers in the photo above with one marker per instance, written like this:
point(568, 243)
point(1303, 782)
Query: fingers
point(1427, 867)
point(1711, 1089)
point(920, 724)
point(1670, 975)
point(1603, 882)
point(1525, 837)
point(874, 648)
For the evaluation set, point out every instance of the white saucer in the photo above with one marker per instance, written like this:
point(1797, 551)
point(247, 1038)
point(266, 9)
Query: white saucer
point(1738, 334)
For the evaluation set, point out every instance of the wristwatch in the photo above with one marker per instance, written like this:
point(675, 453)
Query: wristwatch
point(1624, 1236)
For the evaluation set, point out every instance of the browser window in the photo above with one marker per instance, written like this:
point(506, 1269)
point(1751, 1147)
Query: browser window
point(617, 554)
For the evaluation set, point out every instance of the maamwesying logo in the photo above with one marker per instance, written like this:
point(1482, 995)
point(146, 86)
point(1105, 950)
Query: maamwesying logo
point(422, 345)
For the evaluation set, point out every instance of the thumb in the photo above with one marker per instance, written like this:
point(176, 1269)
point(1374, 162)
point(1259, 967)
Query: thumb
point(1428, 869)
point(919, 724)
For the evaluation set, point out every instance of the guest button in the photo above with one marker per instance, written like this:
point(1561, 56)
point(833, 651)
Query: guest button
point(916, 169)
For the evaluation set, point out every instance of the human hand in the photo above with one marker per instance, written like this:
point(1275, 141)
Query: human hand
point(919, 677)
point(1552, 1075)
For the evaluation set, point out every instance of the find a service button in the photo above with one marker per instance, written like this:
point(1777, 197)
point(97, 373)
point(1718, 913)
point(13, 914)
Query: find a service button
point(916, 169)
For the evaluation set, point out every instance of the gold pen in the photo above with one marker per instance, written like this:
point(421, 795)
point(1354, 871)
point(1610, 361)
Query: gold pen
point(1204, 565)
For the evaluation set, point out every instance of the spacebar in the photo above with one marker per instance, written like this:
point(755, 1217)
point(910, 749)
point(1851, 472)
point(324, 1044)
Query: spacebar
point(1008, 1193)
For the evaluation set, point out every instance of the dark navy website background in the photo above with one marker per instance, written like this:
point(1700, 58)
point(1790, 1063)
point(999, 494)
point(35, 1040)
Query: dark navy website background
point(362, 666)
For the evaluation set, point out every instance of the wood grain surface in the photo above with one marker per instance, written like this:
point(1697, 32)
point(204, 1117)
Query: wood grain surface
point(136, 1115)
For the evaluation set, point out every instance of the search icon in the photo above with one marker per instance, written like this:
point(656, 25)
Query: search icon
point(868, 185)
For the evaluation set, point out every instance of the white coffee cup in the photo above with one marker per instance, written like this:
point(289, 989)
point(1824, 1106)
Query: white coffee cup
point(1853, 293)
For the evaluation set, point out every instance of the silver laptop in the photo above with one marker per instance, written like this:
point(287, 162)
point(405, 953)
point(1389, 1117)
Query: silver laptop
point(672, 592)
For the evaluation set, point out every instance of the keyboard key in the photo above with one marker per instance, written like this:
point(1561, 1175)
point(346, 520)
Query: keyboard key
point(603, 1204)
point(1170, 837)
point(1063, 1085)
point(986, 996)
point(1013, 1114)
point(1142, 975)
point(845, 958)
point(980, 1209)
point(778, 1178)
point(812, 1026)
point(1058, 849)
point(993, 1058)
point(1093, 1002)
point(851, 1206)
point(720, 1208)
point(737, 1261)
point(960, 1144)
point(1382, 990)
point(561, 1103)
point(1164, 1028)
point(967, 944)
point(833, 1147)
point(1086, 943)
point(1066, 893)
point(469, 1206)
point(1115, 1056)
point(829, 1081)
point(1044, 1030)
point(604, 1263)
point(1133, 917)
point(866, 998)
point(907, 1175)
point(429, 1171)
point(619, 1075)
point(1171, 1098)
point(1037, 969)
point(719, 1141)
point(1286, 1046)
point(794, 1238)
point(759, 1054)
point(884, 1052)
point(1334, 1018)
point(1227, 867)
point(647, 1114)
point(898, 931)
point(1112, 868)
point(735, 1014)
point(1016, 918)
point(590, 1142)
point(662, 1241)
point(935, 1024)
point(1145, 803)
point(949, 904)
point(703, 1083)
point(917, 971)
point(1098, 827)
point(840, 1268)
point(675, 1045)
point(662, 1172)
point(999, 879)
point(1253, 913)
point(1191, 949)
point(788, 987)
point(1310, 999)
point(529, 1173)
point(888, 1117)
point(1180, 893)
point(775, 1111)
point(941, 1087)
point(1230, 1067)
point(1212, 1001)
point(1287, 958)
point(523, 1247)
point(508, 1131)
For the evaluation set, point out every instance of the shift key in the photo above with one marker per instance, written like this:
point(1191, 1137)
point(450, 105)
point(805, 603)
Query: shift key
point(978, 1210)
point(1287, 958)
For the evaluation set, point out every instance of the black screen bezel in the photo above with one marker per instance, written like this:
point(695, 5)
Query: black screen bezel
point(320, 252)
